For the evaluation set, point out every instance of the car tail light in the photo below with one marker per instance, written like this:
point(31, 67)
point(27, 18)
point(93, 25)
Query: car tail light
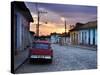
point(30, 50)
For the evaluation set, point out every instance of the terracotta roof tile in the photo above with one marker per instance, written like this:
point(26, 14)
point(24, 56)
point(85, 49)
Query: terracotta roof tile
point(92, 24)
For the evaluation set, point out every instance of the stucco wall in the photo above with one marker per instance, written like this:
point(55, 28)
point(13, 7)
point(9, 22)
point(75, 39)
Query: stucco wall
point(23, 35)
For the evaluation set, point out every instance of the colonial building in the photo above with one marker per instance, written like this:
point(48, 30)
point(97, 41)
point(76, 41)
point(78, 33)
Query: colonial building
point(64, 39)
point(74, 33)
point(21, 19)
point(55, 37)
point(84, 33)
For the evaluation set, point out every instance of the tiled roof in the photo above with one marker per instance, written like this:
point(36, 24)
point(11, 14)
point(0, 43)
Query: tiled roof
point(92, 24)
point(55, 33)
point(65, 34)
point(78, 25)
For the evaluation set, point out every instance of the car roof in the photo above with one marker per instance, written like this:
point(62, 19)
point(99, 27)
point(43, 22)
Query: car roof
point(42, 41)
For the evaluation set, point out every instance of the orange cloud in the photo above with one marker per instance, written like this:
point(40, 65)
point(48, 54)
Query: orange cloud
point(46, 29)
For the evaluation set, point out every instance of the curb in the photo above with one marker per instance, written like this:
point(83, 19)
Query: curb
point(20, 65)
point(84, 48)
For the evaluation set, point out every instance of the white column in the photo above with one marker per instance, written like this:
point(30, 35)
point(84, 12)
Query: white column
point(91, 36)
point(87, 36)
point(95, 36)
point(80, 36)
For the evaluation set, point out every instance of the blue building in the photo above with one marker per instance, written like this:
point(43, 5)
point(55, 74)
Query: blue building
point(21, 18)
point(85, 34)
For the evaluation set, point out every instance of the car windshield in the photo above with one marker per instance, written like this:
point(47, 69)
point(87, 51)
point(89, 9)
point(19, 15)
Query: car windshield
point(40, 45)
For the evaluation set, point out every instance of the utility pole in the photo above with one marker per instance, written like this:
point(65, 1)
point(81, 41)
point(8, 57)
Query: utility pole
point(38, 20)
point(64, 20)
point(65, 30)
point(65, 26)
point(37, 25)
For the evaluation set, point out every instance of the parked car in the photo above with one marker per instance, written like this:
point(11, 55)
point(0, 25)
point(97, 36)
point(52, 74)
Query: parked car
point(41, 51)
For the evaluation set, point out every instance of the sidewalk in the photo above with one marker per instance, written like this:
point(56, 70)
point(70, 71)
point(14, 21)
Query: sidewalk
point(89, 47)
point(20, 59)
point(94, 48)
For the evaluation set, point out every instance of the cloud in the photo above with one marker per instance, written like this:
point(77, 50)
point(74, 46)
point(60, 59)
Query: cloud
point(72, 13)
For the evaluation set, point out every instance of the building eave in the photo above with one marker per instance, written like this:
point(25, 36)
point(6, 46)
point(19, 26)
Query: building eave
point(22, 8)
point(89, 25)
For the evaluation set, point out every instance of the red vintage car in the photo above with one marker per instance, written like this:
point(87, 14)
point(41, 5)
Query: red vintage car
point(41, 51)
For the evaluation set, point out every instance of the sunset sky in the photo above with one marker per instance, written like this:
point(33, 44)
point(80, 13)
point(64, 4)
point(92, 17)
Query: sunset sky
point(71, 13)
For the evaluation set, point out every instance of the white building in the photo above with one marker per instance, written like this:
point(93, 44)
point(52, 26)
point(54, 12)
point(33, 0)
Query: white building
point(54, 38)
point(64, 39)
point(84, 34)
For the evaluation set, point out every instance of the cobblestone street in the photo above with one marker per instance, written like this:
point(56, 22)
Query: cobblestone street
point(64, 58)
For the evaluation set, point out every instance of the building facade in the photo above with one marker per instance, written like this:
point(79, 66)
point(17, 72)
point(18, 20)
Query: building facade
point(84, 34)
point(22, 19)
point(54, 37)
point(64, 39)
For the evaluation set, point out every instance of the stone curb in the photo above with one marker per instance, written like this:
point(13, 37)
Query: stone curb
point(93, 49)
point(20, 65)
